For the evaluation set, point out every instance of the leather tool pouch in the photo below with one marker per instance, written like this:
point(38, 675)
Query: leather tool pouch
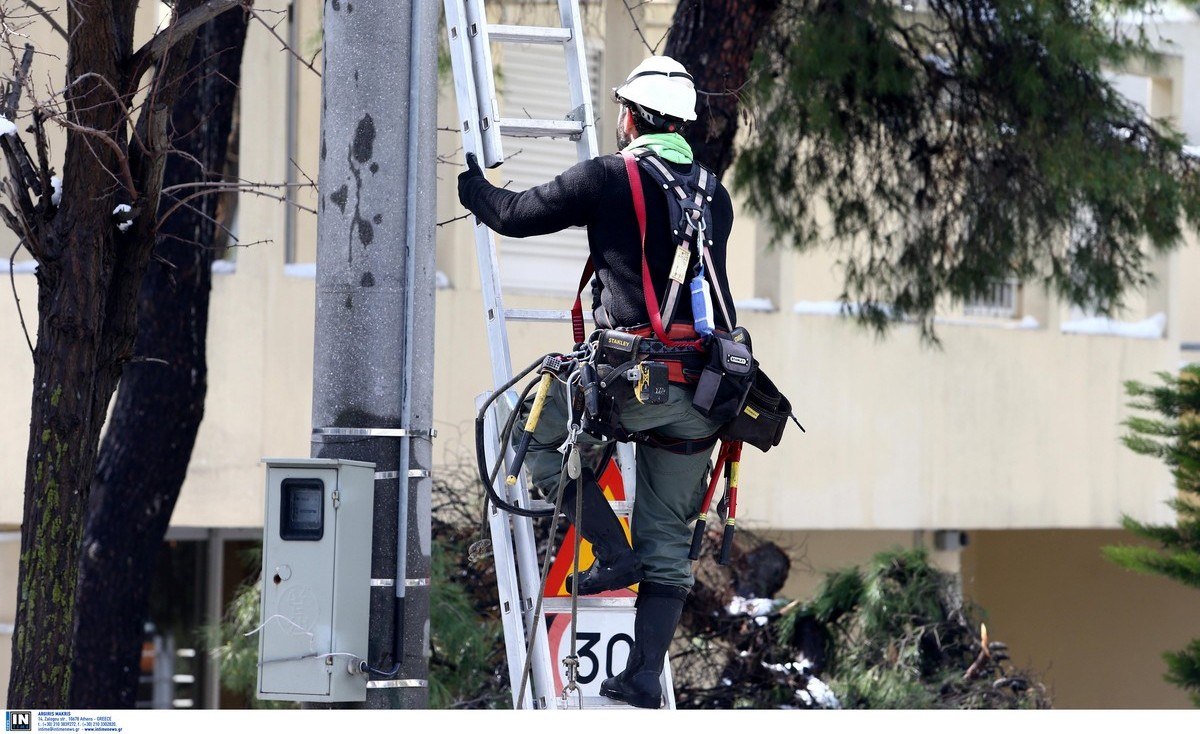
point(618, 347)
point(598, 400)
point(726, 380)
point(653, 383)
point(762, 419)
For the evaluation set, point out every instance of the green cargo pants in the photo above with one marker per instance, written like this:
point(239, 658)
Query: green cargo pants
point(670, 486)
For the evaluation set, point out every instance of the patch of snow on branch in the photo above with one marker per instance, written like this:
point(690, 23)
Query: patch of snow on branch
point(817, 693)
point(1151, 328)
point(56, 195)
point(123, 209)
point(7, 127)
point(757, 608)
point(1192, 151)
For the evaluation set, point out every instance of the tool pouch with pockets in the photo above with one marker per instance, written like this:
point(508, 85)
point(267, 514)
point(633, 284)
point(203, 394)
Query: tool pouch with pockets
point(762, 418)
point(618, 347)
point(726, 381)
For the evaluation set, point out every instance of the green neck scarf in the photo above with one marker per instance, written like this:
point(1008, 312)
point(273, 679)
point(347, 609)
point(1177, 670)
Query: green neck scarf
point(670, 146)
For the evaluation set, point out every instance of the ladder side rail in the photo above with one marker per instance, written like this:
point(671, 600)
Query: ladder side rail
point(668, 683)
point(577, 76)
point(493, 303)
point(464, 75)
point(485, 247)
point(626, 459)
point(507, 582)
point(485, 84)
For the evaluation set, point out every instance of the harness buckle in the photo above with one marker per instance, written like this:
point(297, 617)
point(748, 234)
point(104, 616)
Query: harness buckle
point(692, 214)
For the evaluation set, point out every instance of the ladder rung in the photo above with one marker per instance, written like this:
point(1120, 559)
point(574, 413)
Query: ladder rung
point(539, 314)
point(562, 604)
point(620, 507)
point(598, 702)
point(528, 34)
point(519, 127)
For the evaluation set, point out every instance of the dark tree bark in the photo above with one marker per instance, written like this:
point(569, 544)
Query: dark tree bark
point(89, 274)
point(145, 452)
point(715, 40)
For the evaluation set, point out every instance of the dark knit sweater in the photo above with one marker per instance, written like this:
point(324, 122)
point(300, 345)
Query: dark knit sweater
point(595, 194)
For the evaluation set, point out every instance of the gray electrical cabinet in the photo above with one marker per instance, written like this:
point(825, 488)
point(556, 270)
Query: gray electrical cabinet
point(316, 576)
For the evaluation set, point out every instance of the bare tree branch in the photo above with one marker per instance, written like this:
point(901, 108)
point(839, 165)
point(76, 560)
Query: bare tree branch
point(453, 219)
point(637, 27)
point(217, 188)
point(122, 158)
point(13, 95)
point(12, 279)
point(271, 29)
point(49, 18)
point(154, 49)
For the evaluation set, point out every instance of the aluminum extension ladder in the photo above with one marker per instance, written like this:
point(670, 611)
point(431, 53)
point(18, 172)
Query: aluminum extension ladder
point(518, 572)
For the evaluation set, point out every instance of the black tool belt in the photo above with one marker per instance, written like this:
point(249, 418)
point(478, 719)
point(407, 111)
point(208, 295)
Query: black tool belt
point(618, 346)
point(685, 446)
point(730, 389)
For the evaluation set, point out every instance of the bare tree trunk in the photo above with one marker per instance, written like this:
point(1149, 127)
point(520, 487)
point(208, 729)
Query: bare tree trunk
point(72, 381)
point(89, 274)
point(716, 40)
point(145, 453)
point(61, 457)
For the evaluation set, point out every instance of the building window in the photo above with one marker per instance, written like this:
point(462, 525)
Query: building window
point(999, 300)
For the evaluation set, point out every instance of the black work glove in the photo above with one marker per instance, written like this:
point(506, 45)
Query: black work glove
point(473, 171)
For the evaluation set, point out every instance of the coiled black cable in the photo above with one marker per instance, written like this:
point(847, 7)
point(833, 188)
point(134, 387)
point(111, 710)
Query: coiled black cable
point(488, 478)
point(480, 444)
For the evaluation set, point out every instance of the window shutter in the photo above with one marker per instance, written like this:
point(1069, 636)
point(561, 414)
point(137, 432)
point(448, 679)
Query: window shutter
point(533, 83)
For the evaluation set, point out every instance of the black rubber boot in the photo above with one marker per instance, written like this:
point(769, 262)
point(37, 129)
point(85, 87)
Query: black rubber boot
point(616, 564)
point(658, 610)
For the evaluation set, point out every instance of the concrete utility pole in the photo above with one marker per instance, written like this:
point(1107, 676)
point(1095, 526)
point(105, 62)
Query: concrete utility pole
point(373, 361)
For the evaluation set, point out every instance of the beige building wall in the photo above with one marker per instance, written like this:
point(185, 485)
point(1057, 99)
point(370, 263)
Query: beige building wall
point(1093, 631)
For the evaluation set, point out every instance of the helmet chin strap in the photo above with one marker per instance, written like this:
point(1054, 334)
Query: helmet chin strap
point(659, 122)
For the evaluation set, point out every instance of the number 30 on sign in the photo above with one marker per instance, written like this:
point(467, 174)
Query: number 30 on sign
point(602, 643)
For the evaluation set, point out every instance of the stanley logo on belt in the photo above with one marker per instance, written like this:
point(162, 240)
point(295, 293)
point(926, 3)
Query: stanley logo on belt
point(618, 342)
point(738, 360)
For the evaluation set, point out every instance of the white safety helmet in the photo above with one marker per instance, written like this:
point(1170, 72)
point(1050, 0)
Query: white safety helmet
point(660, 91)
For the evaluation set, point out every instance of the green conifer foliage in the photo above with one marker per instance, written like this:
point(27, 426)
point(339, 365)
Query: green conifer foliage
point(950, 143)
point(900, 635)
point(1174, 437)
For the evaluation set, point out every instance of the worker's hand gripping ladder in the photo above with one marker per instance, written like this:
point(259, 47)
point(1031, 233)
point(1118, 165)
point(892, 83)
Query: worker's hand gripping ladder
point(513, 541)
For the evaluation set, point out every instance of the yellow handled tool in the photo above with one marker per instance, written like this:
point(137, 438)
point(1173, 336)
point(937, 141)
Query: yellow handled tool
point(535, 413)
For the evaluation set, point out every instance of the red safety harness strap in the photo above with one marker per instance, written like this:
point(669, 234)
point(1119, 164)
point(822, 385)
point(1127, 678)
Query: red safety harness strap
point(639, 210)
point(577, 309)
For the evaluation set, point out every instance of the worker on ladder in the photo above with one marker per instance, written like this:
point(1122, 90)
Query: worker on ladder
point(653, 216)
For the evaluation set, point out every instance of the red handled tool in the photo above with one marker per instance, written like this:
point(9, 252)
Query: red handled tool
point(702, 521)
point(731, 488)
